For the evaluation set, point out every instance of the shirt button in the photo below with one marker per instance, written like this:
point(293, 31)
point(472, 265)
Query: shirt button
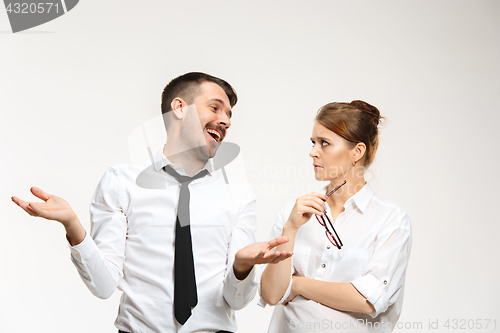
point(77, 255)
point(385, 282)
point(238, 295)
point(328, 247)
point(323, 265)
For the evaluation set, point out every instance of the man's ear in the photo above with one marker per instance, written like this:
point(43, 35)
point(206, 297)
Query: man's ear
point(178, 107)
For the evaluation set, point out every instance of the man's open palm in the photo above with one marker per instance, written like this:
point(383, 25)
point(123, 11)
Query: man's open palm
point(261, 253)
point(53, 208)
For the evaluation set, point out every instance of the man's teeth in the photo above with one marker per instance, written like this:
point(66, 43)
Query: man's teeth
point(214, 132)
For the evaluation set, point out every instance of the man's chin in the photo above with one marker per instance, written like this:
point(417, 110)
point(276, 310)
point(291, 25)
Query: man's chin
point(212, 149)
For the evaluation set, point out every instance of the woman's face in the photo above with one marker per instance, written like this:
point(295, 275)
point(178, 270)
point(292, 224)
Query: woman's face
point(332, 155)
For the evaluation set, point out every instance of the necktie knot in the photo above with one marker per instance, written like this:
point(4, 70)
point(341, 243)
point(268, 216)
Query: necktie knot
point(184, 180)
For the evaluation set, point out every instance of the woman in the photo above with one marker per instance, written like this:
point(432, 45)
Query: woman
point(347, 272)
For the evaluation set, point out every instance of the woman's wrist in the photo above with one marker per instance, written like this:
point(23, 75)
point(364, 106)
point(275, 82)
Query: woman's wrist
point(296, 280)
point(289, 229)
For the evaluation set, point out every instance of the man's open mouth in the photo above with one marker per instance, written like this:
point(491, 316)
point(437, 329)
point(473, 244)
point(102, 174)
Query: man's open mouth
point(216, 134)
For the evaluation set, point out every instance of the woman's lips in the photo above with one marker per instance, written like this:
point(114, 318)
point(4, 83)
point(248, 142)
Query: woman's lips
point(317, 167)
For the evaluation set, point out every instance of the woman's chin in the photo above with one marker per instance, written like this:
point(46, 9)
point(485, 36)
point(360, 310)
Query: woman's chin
point(319, 177)
point(323, 178)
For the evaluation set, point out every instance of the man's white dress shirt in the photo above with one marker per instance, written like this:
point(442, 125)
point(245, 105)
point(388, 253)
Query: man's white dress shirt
point(131, 246)
point(376, 235)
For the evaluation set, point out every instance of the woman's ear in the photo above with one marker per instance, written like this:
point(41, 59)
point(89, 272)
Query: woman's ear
point(359, 151)
point(178, 105)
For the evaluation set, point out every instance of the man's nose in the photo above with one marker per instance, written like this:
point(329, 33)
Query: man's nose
point(224, 120)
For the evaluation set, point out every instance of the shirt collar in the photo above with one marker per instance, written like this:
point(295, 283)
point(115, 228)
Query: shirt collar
point(362, 197)
point(161, 161)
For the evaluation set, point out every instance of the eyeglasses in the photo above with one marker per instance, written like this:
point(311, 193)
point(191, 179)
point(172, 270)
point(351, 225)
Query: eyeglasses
point(334, 239)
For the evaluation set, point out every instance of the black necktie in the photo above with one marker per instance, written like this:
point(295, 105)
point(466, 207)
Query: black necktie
point(185, 295)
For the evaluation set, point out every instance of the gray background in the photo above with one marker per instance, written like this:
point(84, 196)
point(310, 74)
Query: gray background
point(74, 90)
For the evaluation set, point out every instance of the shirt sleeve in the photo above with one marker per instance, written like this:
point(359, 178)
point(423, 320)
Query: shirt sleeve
point(238, 293)
point(277, 231)
point(384, 280)
point(99, 257)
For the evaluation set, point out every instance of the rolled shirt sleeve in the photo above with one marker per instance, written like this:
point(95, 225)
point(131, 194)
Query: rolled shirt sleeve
point(385, 273)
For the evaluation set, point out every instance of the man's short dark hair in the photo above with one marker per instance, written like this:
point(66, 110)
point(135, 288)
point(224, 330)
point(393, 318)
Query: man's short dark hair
point(187, 87)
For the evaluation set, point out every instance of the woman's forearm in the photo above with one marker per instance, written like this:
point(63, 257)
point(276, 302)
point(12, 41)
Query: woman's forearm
point(276, 277)
point(336, 295)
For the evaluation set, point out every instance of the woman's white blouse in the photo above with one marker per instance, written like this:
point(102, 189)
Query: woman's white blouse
point(376, 237)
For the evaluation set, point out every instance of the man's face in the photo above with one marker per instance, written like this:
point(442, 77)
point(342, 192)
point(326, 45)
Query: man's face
point(214, 113)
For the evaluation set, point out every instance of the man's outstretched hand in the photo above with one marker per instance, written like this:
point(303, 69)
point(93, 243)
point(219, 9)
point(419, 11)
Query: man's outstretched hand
point(54, 208)
point(259, 253)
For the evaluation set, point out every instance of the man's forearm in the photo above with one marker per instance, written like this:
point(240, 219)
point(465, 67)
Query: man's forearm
point(75, 232)
point(241, 271)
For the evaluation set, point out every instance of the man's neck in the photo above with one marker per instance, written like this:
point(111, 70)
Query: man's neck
point(190, 162)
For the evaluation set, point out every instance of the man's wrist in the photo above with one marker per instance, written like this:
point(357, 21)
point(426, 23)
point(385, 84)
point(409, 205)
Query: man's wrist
point(241, 271)
point(75, 232)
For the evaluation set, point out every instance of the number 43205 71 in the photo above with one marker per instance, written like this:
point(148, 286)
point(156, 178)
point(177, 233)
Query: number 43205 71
point(32, 8)
point(463, 324)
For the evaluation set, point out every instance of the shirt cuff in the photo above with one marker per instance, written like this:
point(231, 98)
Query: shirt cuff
point(84, 250)
point(241, 284)
point(240, 292)
point(374, 290)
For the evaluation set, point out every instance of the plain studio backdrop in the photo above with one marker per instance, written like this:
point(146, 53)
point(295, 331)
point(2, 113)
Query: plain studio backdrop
point(74, 91)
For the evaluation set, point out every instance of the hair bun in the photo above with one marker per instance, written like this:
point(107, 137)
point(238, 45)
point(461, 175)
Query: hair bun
point(355, 122)
point(363, 106)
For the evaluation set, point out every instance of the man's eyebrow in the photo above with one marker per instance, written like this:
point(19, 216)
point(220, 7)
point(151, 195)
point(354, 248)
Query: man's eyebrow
point(220, 101)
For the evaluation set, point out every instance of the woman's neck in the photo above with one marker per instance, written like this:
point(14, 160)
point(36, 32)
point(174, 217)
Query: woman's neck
point(339, 198)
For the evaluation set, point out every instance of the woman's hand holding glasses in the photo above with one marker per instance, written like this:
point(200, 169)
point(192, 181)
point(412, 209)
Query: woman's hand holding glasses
point(314, 203)
point(305, 207)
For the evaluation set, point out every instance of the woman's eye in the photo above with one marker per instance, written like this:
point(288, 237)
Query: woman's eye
point(324, 143)
point(214, 108)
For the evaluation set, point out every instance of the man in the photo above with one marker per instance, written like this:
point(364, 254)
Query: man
point(156, 222)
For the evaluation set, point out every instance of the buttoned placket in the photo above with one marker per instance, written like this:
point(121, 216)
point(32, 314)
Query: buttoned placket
point(341, 221)
point(327, 254)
